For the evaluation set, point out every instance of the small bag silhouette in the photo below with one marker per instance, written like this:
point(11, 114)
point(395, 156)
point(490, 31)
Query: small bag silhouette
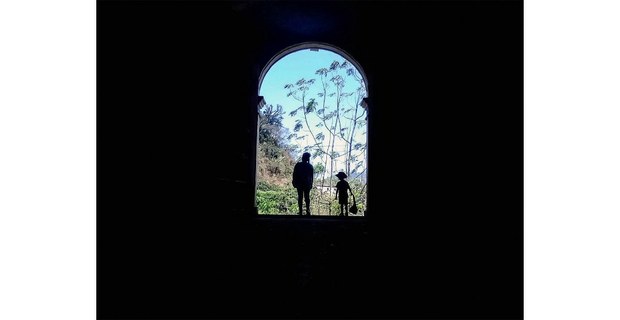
point(353, 208)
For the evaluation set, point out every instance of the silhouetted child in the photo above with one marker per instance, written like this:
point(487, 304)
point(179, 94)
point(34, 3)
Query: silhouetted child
point(341, 190)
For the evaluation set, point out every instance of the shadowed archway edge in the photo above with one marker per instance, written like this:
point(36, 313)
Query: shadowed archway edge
point(312, 45)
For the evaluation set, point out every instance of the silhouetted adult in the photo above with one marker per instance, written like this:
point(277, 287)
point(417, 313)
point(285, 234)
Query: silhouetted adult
point(303, 176)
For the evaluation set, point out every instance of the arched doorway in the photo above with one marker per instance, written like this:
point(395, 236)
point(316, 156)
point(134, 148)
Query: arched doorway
point(312, 98)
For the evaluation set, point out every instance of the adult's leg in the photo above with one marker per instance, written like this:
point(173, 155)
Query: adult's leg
point(299, 199)
point(307, 199)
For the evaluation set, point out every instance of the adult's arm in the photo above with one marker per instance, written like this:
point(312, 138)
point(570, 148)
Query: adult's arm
point(295, 175)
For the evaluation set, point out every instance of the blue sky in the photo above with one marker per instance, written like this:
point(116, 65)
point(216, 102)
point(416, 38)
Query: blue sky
point(291, 68)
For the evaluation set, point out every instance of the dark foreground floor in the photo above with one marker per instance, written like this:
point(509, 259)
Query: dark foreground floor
point(307, 267)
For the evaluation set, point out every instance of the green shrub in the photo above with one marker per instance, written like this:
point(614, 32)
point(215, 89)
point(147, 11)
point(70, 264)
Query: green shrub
point(273, 199)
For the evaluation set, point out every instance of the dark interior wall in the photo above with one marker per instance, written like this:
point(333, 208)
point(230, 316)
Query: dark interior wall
point(177, 84)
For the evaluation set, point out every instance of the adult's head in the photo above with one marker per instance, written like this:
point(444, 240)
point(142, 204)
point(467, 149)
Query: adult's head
point(305, 157)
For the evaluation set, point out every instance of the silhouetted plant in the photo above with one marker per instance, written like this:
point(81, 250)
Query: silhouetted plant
point(337, 116)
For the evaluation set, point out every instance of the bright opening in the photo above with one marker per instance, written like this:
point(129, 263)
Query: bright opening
point(313, 103)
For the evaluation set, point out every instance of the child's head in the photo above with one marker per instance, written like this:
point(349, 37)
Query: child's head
point(341, 175)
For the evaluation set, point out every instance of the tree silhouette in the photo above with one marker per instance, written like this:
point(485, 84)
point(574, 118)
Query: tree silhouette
point(330, 124)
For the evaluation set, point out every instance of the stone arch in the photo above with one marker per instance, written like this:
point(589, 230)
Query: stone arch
point(312, 45)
